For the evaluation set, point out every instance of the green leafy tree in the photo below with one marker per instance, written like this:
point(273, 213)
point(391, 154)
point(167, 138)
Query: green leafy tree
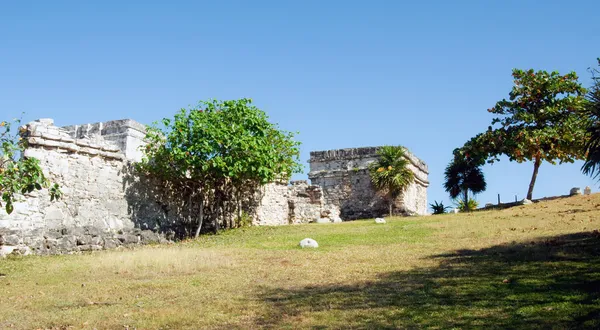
point(543, 120)
point(592, 147)
point(462, 175)
point(18, 174)
point(214, 154)
point(390, 174)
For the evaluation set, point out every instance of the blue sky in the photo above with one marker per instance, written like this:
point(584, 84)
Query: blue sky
point(342, 73)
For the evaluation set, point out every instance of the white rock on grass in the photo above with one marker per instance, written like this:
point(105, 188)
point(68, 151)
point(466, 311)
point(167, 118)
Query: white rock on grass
point(309, 243)
point(526, 201)
point(323, 220)
point(5, 250)
point(379, 220)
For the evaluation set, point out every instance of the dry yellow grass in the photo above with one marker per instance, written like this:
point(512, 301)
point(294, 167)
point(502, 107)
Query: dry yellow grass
point(529, 265)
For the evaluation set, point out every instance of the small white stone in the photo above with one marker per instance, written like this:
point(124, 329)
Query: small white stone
point(526, 201)
point(309, 243)
point(323, 220)
point(6, 250)
point(379, 220)
point(455, 211)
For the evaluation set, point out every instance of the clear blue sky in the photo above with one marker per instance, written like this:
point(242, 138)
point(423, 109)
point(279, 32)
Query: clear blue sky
point(342, 73)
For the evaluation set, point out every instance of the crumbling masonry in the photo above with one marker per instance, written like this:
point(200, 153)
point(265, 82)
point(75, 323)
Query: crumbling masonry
point(106, 204)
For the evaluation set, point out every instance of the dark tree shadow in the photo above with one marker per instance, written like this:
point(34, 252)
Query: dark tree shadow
point(552, 283)
point(153, 207)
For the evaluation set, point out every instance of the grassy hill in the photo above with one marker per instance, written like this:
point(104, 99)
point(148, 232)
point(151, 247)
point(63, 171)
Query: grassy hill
point(533, 266)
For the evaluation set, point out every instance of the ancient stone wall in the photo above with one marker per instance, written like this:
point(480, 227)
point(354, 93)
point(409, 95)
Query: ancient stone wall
point(97, 207)
point(344, 178)
point(106, 203)
point(298, 202)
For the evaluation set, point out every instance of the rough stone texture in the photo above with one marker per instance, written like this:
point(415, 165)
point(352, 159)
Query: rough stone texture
point(575, 191)
point(298, 202)
point(126, 134)
point(343, 176)
point(101, 194)
point(71, 240)
point(273, 206)
point(106, 204)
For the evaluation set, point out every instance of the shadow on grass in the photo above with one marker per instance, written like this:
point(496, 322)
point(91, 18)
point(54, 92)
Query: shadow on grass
point(550, 283)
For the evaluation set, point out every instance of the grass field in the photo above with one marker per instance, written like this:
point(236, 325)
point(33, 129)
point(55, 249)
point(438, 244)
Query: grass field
point(534, 266)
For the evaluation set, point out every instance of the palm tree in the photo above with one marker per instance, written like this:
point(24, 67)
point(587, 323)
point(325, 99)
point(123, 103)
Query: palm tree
point(464, 174)
point(591, 166)
point(390, 174)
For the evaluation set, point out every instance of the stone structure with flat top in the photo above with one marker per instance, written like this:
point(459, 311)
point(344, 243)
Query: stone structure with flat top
point(344, 178)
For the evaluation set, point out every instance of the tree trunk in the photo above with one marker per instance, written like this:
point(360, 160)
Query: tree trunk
point(216, 229)
point(466, 200)
point(391, 203)
point(239, 207)
point(536, 167)
point(200, 217)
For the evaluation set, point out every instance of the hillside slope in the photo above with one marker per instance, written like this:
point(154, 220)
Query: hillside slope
point(533, 266)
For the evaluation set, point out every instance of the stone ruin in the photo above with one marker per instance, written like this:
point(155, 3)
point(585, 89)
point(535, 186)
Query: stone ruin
point(105, 204)
point(344, 178)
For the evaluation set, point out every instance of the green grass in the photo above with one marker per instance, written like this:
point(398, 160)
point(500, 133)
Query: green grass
point(535, 266)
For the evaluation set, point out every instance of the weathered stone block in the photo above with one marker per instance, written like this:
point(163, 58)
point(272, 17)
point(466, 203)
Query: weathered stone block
point(12, 240)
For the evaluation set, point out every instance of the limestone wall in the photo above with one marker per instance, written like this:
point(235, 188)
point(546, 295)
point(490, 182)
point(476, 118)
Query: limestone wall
point(298, 202)
point(96, 206)
point(105, 203)
point(345, 181)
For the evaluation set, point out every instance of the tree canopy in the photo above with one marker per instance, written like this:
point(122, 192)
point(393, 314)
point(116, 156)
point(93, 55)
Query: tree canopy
point(390, 174)
point(18, 174)
point(216, 151)
point(462, 175)
point(543, 120)
point(592, 147)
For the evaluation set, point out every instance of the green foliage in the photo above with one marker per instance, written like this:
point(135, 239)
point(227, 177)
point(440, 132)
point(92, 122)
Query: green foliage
point(462, 175)
point(592, 147)
point(543, 120)
point(244, 220)
point(390, 175)
point(19, 174)
point(439, 208)
point(218, 151)
point(470, 205)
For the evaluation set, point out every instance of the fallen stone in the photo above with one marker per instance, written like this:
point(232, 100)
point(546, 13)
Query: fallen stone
point(526, 201)
point(148, 236)
point(323, 220)
point(110, 243)
point(6, 250)
point(21, 251)
point(128, 239)
point(309, 243)
point(587, 190)
point(575, 191)
point(379, 220)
